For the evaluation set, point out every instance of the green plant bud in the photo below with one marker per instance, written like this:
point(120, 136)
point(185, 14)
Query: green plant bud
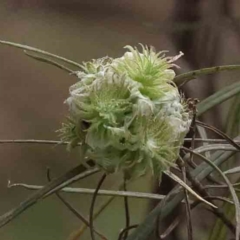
point(128, 112)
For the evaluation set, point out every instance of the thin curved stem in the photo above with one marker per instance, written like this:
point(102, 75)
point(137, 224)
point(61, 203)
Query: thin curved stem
point(221, 186)
point(220, 133)
point(126, 206)
point(126, 230)
point(91, 213)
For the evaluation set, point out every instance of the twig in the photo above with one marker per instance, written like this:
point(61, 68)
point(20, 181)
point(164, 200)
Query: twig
point(50, 142)
point(91, 191)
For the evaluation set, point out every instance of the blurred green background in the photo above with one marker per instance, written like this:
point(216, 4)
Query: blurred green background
point(32, 93)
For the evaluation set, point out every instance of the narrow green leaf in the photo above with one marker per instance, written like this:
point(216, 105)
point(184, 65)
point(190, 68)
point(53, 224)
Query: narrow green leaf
point(185, 77)
point(212, 147)
point(219, 231)
point(233, 119)
point(203, 134)
point(49, 61)
point(232, 126)
point(232, 170)
point(232, 191)
point(218, 97)
point(32, 49)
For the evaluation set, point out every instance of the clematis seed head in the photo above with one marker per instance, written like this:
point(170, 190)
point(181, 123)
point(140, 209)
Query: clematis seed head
point(128, 112)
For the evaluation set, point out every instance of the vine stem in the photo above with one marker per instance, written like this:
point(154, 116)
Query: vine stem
point(91, 213)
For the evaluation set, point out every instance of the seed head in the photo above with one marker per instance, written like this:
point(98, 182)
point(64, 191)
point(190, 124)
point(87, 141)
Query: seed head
point(128, 112)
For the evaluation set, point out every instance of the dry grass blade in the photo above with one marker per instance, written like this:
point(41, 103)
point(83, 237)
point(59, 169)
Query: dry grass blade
point(189, 189)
